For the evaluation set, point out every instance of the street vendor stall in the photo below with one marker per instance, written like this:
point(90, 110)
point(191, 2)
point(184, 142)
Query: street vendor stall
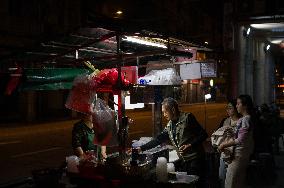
point(114, 61)
point(150, 167)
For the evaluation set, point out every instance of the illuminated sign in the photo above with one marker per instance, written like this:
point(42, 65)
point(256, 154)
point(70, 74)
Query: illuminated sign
point(208, 70)
point(194, 81)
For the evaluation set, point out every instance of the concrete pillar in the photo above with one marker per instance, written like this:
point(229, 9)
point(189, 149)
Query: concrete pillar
point(259, 78)
point(241, 57)
point(265, 78)
point(269, 78)
point(249, 67)
point(234, 63)
point(255, 69)
point(273, 79)
point(256, 61)
point(245, 70)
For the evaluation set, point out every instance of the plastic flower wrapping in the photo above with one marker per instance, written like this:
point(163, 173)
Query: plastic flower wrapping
point(81, 96)
point(104, 124)
point(167, 76)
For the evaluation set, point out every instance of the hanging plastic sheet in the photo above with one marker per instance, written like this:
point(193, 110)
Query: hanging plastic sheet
point(53, 74)
point(167, 76)
point(47, 86)
point(104, 124)
point(50, 78)
point(14, 81)
point(81, 96)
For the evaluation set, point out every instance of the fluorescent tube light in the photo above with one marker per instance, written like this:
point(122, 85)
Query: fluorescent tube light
point(141, 41)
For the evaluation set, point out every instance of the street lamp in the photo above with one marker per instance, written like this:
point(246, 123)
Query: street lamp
point(119, 12)
point(206, 97)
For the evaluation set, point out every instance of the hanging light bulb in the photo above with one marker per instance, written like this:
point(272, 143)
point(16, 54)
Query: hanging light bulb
point(266, 48)
point(246, 32)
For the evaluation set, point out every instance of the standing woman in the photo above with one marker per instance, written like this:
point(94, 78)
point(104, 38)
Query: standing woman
point(243, 144)
point(233, 115)
point(230, 122)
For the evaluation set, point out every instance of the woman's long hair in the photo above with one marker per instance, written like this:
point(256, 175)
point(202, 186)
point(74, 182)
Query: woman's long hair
point(246, 101)
point(233, 102)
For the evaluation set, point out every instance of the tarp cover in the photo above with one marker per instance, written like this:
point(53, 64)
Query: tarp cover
point(50, 78)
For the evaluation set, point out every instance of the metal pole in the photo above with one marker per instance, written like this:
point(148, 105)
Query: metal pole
point(205, 114)
point(122, 120)
point(157, 118)
point(157, 111)
point(137, 61)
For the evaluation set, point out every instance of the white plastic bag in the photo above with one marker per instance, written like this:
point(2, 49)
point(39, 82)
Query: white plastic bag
point(102, 112)
point(167, 76)
point(104, 124)
point(72, 164)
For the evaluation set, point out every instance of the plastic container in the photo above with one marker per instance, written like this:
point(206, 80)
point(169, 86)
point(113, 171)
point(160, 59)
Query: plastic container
point(181, 176)
point(161, 170)
point(187, 178)
point(72, 164)
point(170, 167)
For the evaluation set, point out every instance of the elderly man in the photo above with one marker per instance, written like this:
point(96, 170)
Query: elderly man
point(185, 134)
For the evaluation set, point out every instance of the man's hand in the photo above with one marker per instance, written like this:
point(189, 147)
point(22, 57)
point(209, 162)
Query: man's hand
point(104, 155)
point(103, 152)
point(183, 148)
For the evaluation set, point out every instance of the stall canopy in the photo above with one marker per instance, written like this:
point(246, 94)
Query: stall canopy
point(53, 64)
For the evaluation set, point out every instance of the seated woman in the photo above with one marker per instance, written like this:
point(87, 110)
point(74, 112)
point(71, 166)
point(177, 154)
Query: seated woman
point(83, 136)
